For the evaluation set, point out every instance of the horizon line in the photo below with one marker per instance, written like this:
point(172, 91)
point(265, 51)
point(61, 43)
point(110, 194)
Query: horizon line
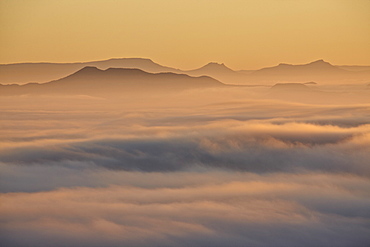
point(150, 59)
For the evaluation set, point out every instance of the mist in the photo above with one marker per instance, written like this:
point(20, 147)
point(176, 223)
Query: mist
point(209, 166)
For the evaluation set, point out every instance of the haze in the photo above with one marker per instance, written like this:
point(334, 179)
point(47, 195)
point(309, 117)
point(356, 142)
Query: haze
point(184, 123)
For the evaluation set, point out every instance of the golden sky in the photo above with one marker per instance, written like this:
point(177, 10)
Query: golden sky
point(244, 34)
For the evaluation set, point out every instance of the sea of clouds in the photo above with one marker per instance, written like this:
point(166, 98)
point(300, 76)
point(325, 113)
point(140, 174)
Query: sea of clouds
point(239, 173)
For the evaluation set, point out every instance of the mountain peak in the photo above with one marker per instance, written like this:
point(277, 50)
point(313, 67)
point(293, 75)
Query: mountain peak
point(216, 66)
point(89, 68)
point(320, 62)
point(284, 64)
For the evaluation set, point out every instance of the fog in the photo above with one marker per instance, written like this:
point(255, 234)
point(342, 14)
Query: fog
point(238, 166)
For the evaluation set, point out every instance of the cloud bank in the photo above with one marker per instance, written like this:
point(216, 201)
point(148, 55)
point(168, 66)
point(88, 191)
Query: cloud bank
point(242, 172)
point(250, 210)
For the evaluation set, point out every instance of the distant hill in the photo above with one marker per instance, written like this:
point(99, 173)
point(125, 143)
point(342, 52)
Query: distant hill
point(316, 67)
point(133, 63)
point(212, 68)
point(290, 87)
point(318, 71)
point(220, 72)
point(112, 81)
point(22, 73)
point(299, 92)
point(310, 83)
point(354, 67)
point(329, 94)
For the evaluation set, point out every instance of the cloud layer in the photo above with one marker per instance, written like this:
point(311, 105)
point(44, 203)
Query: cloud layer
point(236, 145)
point(250, 210)
point(241, 172)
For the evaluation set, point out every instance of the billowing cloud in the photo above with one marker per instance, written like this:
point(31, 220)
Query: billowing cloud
point(229, 172)
point(244, 146)
point(303, 210)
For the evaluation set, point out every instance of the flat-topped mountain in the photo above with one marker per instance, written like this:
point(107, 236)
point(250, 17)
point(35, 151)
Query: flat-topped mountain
point(45, 72)
point(144, 64)
point(113, 81)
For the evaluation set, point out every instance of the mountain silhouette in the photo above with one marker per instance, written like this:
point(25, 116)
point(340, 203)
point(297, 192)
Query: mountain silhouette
point(290, 87)
point(218, 71)
point(144, 64)
point(113, 81)
point(211, 68)
point(304, 93)
point(319, 71)
point(354, 68)
point(316, 67)
point(44, 72)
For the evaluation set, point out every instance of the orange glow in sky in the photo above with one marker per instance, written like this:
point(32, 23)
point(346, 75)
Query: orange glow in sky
point(244, 34)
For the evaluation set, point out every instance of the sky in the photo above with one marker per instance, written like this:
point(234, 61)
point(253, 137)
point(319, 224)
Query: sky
point(243, 34)
point(109, 161)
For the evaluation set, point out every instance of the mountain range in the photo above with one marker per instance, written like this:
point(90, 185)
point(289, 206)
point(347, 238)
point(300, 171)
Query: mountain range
point(318, 71)
point(112, 81)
